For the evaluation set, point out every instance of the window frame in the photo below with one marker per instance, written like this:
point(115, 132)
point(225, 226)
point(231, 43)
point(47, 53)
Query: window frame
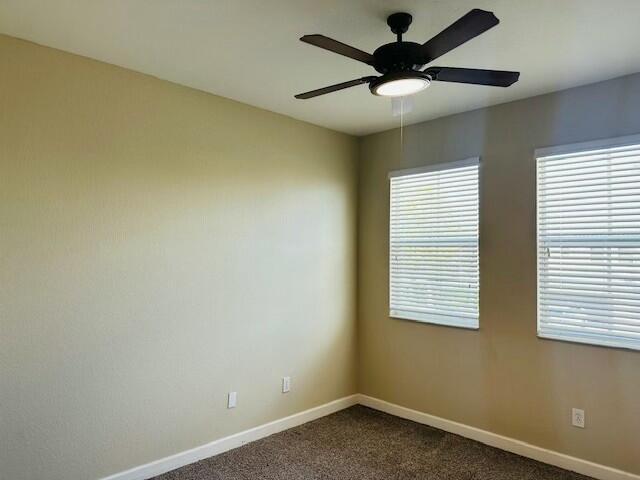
point(567, 149)
point(471, 161)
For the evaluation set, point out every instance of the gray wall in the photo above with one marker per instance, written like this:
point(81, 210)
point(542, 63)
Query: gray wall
point(501, 378)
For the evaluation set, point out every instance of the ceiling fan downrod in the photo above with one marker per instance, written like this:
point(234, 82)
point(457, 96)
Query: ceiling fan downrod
point(399, 23)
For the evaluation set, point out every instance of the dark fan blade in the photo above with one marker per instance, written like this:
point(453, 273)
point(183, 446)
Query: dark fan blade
point(338, 47)
point(496, 78)
point(471, 25)
point(334, 88)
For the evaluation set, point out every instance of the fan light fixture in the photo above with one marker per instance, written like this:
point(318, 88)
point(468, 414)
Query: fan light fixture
point(400, 85)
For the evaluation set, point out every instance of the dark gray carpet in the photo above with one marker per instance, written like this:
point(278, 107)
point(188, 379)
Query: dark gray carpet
point(363, 444)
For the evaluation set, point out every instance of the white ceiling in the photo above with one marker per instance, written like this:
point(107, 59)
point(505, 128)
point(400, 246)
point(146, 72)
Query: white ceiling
point(248, 50)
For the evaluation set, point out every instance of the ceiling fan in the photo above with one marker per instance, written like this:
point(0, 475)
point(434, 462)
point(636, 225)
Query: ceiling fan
point(401, 63)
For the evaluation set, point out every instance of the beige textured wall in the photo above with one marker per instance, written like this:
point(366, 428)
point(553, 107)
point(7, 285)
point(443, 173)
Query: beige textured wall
point(500, 378)
point(160, 247)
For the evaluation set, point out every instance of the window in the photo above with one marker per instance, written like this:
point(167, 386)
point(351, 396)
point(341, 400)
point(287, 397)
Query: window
point(434, 244)
point(589, 243)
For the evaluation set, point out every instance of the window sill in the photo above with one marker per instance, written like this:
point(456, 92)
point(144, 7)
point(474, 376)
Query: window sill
point(588, 341)
point(440, 320)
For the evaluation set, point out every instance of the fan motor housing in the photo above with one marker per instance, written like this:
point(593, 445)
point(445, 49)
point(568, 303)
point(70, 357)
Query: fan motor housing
point(398, 57)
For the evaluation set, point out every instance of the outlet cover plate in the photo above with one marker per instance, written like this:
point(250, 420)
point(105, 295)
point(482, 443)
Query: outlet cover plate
point(232, 400)
point(577, 417)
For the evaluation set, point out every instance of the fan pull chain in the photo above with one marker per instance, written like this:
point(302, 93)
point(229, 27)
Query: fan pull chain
point(405, 105)
point(401, 128)
point(400, 106)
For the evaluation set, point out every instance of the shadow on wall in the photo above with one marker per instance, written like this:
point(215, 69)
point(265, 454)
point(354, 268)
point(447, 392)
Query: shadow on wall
point(501, 378)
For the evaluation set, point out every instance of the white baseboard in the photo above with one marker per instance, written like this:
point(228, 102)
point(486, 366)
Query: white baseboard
point(524, 449)
point(221, 445)
point(158, 467)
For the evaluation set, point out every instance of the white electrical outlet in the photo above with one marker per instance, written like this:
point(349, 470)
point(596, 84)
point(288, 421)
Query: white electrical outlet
point(232, 400)
point(577, 417)
point(286, 384)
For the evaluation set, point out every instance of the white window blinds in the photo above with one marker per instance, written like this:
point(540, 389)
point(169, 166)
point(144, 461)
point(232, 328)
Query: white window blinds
point(589, 244)
point(434, 244)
